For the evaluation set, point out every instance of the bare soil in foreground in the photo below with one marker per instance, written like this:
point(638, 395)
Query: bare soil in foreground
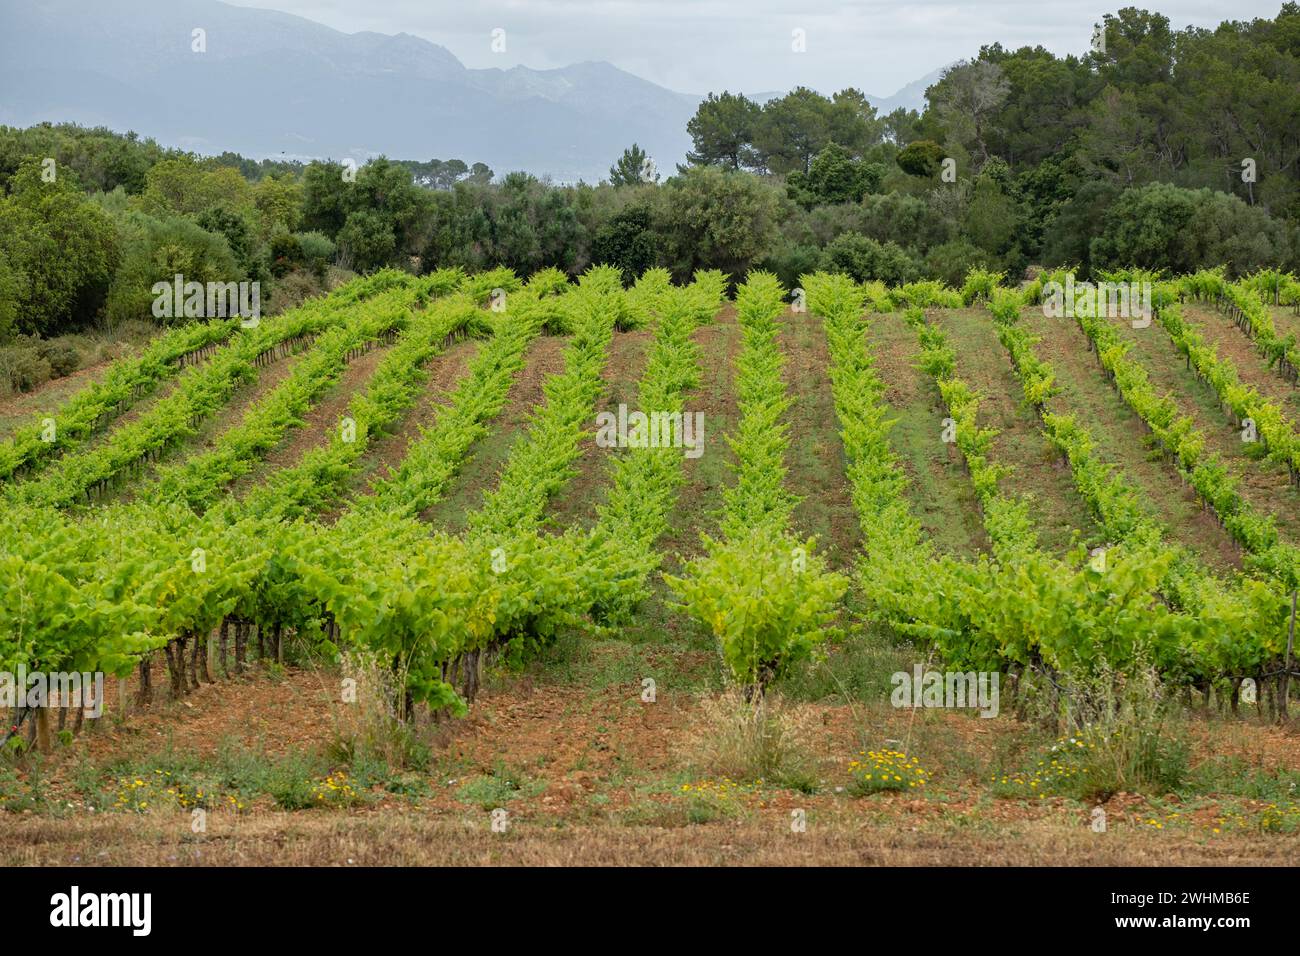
point(594, 775)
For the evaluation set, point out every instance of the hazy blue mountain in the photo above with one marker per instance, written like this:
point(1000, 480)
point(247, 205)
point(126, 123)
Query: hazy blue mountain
point(271, 83)
point(910, 97)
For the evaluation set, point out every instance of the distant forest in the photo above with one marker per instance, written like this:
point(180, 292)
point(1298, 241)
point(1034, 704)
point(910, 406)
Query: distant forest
point(1160, 148)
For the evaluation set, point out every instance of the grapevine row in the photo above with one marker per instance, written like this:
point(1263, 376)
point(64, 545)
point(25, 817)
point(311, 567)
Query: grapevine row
point(1217, 629)
point(541, 462)
point(765, 596)
point(1185, 444)
point(200, 392)
point(432, 460)
point(1244, 304)
point(645, 480)
point(93, 408)
point(200, 480)
point(1278, 435)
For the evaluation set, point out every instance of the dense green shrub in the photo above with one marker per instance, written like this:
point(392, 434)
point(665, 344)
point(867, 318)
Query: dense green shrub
point(156, 250)
point(921, 158)
point(61, 252)
point(61, 357)
point(1165, 227)
point(951, 261)
point(317, 251)
point(865, 260)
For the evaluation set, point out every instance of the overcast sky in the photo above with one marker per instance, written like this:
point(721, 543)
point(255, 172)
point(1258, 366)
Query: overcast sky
point(697, 46)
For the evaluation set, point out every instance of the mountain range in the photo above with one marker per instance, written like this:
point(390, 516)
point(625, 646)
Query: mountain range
point(273, 84)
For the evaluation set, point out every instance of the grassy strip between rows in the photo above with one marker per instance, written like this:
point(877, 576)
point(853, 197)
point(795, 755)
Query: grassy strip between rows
point(1007, 520)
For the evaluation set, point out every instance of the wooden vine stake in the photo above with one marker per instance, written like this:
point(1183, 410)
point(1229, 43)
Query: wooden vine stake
point(44, 739)
point(1286, 673)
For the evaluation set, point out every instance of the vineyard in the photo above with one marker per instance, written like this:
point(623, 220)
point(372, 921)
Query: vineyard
point(397, 491)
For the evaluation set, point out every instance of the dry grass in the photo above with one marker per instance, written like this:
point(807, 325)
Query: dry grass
point(391, 838)
point(768, 739)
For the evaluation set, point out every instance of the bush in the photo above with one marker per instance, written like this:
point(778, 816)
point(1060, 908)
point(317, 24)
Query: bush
point(155, 250)
point(626, 242)
point(765, 739)
point(1166, 227)
point(865, 259)
point(60, 251)
point(61, 356)
point(293, 290)
point(875, 771)
point(9, 287)
point(366, 241)
point(835, 177)
point(910, 221)
point(952, 261)
point(286, 254)
point(317, 251)
point(1115, 737)
point(791, 261)
point(921, 158)
point(22, 368)
point(708, 219)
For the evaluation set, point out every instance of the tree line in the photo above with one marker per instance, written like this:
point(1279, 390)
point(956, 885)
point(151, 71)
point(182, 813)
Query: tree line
point(1159, 148)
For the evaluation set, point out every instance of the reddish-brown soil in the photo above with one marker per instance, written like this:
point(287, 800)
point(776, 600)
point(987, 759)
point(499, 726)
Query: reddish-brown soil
point(598, 779)
point(1232, 343)
point(1040, 475)
point(20, 408)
